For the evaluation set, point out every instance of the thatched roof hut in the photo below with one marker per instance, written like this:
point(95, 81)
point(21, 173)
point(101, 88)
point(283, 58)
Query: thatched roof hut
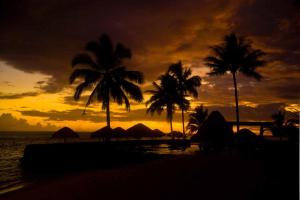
point(65, 133)
point(118, 132)
point(139, 131)
point(215, 130)
point(176, 134)
point(104, 132)
point(157, 133)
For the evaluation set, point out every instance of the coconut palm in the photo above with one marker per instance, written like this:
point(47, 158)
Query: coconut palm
point(285, 127)
point(165, 96)
point(235, 55)
point(187, 84)
point(278, 123)
point(106, 75)
point(196, 119)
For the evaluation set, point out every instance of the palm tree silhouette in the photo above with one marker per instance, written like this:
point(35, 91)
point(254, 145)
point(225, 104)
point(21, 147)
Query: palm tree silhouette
point(106, 75)
point(196, 119)
point(278, 123)
point(187, 84)
point(235, 55)
point(165, 96)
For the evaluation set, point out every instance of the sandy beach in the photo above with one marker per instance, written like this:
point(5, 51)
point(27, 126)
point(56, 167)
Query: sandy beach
point(182, 177)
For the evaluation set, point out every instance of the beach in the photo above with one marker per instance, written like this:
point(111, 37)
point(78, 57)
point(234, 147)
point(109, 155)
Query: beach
point(180, 177)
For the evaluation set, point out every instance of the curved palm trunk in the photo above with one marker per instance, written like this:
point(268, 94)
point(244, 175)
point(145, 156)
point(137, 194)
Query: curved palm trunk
point(171, 127)
point(236, 103)
point(182, 118)
point(108, 114)
point(108, 118)
point(170, 116)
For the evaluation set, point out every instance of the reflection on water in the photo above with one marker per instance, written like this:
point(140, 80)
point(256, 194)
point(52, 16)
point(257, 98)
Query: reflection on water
point(12, 147)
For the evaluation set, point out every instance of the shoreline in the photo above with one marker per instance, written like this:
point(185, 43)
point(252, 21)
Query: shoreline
point(163, 178)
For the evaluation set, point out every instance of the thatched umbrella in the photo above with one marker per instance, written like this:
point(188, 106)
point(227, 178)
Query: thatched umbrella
point(118, 132)
point(176, 134)
point(246, 139)
point(214, 130)
point(104, 133)
point(65, 133)
point(138, 131)
point(157, 133)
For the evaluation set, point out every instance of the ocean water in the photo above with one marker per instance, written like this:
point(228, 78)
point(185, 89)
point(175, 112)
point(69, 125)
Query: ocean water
point(12, 145)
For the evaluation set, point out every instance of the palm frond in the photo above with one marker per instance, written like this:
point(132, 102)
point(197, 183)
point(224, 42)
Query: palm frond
point(79, 89)
point(135, 76)
point(122, 52)
point(84, 60)
point(132, 90)
point(93, 47)
point(88, 74)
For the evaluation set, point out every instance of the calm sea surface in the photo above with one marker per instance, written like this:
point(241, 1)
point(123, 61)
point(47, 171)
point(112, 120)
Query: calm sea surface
point(12, 146)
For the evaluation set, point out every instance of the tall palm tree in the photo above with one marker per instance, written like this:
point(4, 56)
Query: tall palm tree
point(187, 84)
point(235, 55)
point(165, 96)
point(196, 119)
point(278, 123)
point(106, 75)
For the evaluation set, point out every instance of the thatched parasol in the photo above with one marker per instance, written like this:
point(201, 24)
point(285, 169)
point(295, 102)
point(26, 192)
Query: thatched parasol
point(176, 134)
point(104, 132)
point(118, 132)
point(215, 130)
point(138, 131)
point(157, 133)
point(65, 133)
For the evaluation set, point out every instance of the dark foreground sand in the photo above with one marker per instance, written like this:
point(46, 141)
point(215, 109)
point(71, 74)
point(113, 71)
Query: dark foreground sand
point(184, 177)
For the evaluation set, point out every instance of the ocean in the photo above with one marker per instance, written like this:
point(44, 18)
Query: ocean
point(12, 145)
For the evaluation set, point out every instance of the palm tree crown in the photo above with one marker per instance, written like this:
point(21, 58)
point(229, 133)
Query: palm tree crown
point(165, 96)
point(186, 83)
point(235, 55)
point(197, 118)
point(106, 75)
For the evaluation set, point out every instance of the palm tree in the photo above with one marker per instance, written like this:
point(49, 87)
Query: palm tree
point(235, 55)
point(278, 123)
point(285, 127)
point(106, 75)
point(165, 96)
point(196, 119)
point(187, 84)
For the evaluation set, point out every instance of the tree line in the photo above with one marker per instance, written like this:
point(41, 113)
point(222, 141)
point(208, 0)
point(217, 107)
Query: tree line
point(101, 69)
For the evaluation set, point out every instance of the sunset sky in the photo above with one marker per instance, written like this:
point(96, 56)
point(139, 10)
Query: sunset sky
point(38, 40)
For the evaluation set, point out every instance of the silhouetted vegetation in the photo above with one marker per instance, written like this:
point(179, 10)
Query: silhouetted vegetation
point(283, 127)
point(165, 96)
point(187, 85)
point(196, 119)
point(106, 75)
point(235, 55)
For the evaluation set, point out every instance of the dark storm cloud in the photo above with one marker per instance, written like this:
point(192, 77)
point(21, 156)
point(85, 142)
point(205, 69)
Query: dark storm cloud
point(43, 37)
point(18, 95)
point(260, 113)
point(70, 115)
point(10, 123)
point(275, 24)
point(92, 116)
